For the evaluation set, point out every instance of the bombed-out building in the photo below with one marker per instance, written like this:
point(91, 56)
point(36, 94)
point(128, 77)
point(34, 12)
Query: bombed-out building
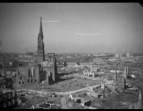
point(27, 75)
point(41, 69)
point(8, 98)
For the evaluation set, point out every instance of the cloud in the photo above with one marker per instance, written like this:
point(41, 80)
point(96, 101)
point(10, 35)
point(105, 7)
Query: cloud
point(51, 21)
point(74, 20)
point(87, 34)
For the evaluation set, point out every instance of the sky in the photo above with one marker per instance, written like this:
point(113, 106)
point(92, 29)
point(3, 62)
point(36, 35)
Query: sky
point(72, 27)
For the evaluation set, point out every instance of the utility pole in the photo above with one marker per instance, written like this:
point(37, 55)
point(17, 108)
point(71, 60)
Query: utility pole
point(116, 72)
point(4, 65)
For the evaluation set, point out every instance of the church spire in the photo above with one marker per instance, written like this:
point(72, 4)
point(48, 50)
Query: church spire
point(40, 30)
point(40, 50)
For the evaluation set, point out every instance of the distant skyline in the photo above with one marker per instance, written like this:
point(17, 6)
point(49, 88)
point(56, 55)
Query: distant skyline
point(72, 27)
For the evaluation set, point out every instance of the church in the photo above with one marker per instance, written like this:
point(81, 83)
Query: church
point(41, 69)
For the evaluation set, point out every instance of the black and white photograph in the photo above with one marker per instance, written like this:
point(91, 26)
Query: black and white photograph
point(71, 55)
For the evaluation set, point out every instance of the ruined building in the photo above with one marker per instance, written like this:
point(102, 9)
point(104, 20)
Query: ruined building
point(137, 105)
point(27, 75)
point(8, 98)
point(50, 68)
point(126, 72)
point(120, 79)
point(40, 70)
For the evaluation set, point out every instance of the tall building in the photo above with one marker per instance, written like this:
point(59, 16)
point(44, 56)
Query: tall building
point(40, 49)
point(41, 71)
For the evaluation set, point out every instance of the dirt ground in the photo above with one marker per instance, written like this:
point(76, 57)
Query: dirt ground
point(72, 84)
point(65, 85)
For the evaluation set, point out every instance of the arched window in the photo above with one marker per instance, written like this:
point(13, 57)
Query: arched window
point(18, 72)
point(34, 72)
point(29, 73)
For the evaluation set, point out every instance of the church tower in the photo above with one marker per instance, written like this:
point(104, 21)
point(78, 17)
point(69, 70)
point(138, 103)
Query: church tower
point(40, 50)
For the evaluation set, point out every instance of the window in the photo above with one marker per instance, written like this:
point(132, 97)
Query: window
point(28, 72)
point(35, 80)
point(50, 56)
point(34, 72)
point(31, 72)
point(19, 82)
point(18, 72)
point(31, 80)
point(4, 98)
point(27, 80)
point(9, 96)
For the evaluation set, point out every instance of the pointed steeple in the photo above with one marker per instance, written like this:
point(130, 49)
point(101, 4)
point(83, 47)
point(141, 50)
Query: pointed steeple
point(40, 30)
point(40, 48)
